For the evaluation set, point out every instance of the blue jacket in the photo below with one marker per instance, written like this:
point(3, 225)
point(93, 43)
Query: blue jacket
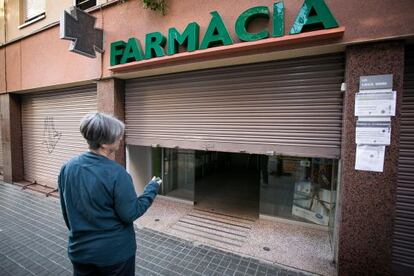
point(99, 205)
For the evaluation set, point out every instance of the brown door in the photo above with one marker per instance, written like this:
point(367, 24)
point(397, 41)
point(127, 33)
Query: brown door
point(290, 107)
point(50, 126)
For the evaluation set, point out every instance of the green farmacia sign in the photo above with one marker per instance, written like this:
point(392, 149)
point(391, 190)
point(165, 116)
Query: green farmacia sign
point(314, 15)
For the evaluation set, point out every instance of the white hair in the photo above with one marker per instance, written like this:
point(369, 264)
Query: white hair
point(100, 128)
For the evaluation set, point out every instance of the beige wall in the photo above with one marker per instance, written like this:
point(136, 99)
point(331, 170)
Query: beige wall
point(2, 50)
point(2, 70)
point(53, 11)
point(14, 17)
point(43, 60)
point(2, 29)
point(138, 165)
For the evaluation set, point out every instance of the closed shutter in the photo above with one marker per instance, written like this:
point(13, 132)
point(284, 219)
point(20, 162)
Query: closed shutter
point(1, 154)
point(403, 246)
point(33, 8)
point(291, 107)
point(50, 126)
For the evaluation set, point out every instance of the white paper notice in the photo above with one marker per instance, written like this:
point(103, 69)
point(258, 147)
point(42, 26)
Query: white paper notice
point(374, 119)
point(375, 104)
point(370, 158)
point(373, 133)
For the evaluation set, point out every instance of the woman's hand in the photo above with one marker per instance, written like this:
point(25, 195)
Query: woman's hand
point(157, 179)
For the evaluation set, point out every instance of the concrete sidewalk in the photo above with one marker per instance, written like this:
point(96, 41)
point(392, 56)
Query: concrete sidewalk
point(33, 241)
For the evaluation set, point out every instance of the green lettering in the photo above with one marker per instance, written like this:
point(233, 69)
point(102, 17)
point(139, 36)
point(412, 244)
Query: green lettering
point(244, 19)
point(313, 15)
point(216, 34)
point(133, 51)
point(278, 19)
point(154, 44)
point(188, 39)
point(117, 50)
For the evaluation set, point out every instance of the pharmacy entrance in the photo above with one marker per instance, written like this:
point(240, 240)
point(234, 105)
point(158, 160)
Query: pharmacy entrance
point(240, 140)
point(250, 185)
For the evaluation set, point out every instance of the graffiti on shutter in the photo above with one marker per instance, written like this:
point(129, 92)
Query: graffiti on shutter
point(50, 135)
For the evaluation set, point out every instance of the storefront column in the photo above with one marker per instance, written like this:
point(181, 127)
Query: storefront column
point(111, 100)
point(10, 111)
point(367, 199)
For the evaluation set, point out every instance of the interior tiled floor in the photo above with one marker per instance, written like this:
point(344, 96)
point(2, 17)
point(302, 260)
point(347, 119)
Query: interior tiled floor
point(292, 245)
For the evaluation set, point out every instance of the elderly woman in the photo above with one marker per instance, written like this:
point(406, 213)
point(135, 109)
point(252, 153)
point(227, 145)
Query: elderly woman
point(99, 203)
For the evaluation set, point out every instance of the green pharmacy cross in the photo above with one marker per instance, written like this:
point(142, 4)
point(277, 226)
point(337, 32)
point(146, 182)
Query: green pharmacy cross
point(79, 27)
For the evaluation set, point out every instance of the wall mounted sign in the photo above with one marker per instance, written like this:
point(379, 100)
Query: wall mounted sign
point(314, 15)
point(375, 82)
point(79, 27)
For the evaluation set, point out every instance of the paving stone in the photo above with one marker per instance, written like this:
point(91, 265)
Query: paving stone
point(229, 272)
point(273, 271)
point(251, 271)
point(33, 240)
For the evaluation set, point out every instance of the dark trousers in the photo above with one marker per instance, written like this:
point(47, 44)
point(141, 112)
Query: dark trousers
point(126, 268)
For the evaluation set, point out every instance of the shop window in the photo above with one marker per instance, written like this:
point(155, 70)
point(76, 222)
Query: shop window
point(302, 189)
point(85, 4)
point(33, 9)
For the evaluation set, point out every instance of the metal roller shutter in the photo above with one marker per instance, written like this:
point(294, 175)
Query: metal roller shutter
point(50, 126)
point(291, 107)
point(1, 154)
point(403, 247)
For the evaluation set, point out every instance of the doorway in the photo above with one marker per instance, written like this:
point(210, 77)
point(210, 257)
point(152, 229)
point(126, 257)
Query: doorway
point(248, 185)
point(228, 183)
point(220, 182)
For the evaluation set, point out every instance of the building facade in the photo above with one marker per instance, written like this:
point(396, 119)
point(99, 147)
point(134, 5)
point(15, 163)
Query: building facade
point(243, 107)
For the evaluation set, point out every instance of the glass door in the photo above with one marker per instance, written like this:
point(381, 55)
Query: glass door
point(178, 173)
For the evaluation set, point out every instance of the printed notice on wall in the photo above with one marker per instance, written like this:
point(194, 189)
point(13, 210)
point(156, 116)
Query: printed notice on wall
point(375, 104)
point(373, 133)
point(374, 119)
point(370, 158)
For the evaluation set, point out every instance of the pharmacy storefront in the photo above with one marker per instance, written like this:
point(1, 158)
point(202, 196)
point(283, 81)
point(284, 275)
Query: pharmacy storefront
point(253, 140)
point(241, 140)
point(245, 109)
